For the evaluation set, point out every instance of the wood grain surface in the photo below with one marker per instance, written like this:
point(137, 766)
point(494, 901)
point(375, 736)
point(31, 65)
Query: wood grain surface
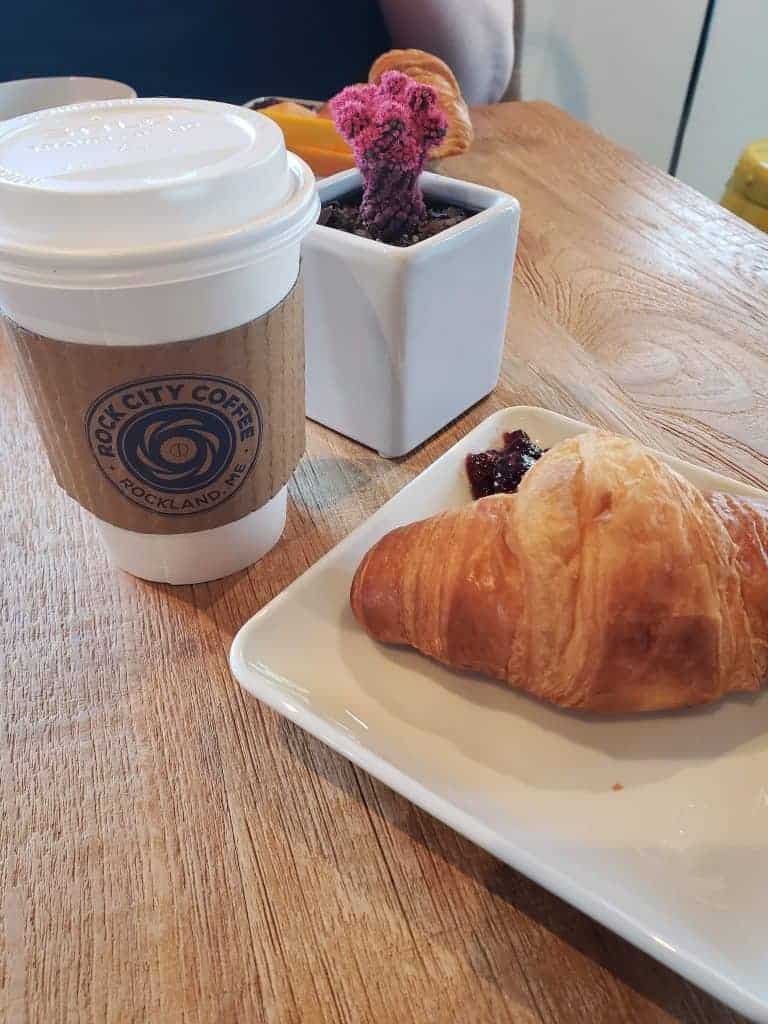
point(172, 850)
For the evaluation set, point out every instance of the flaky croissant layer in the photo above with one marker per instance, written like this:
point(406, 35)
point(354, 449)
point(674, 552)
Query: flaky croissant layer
point(608, 583)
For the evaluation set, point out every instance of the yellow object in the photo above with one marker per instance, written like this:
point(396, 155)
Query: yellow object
point(312, 138)
point(291, 108)
point(746, 194)
point(742, 207)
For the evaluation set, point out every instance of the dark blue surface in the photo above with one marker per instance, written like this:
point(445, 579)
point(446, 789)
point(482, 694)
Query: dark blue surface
point(224, 50)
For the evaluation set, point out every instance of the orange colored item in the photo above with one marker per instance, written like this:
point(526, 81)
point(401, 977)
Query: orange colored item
point(312, 138)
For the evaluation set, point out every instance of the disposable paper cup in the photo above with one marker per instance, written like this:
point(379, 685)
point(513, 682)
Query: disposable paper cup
point(149, 260)
point(27, 95)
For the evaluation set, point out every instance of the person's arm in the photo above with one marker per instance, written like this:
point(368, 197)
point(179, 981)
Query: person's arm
point(476, 39)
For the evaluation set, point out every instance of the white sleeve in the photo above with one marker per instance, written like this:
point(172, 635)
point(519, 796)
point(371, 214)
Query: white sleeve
point(475, 37)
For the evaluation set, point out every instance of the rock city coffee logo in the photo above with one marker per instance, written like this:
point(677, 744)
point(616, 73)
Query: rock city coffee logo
point(176, 445)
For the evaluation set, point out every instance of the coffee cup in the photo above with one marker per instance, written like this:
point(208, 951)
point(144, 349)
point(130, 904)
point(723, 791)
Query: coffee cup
point(150, 288)
point(26, 95)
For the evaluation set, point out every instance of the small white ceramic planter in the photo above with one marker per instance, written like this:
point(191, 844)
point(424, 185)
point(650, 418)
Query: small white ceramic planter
point(400, 341)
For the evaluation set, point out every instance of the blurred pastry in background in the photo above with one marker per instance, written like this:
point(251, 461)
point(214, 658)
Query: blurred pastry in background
point(309, 130)
point(429, 69)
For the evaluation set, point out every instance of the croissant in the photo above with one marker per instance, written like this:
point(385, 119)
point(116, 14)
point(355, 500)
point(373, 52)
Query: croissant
point(608, 583)
point(429, 69)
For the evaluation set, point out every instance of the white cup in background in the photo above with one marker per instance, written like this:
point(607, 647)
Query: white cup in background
point(27, 95)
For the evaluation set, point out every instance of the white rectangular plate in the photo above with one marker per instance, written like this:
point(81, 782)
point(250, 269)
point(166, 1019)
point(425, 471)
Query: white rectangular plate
point(676, 861)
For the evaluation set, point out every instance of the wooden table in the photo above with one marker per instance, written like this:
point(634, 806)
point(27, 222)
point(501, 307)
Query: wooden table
point(175, 851)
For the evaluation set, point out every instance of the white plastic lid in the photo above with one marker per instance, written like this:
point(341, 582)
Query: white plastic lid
point(99, 195)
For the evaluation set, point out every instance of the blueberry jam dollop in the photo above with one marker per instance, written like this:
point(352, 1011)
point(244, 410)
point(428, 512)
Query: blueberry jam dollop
point(499, 471)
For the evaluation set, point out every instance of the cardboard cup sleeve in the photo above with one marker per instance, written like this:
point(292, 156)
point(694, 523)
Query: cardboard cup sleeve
point(175, 437)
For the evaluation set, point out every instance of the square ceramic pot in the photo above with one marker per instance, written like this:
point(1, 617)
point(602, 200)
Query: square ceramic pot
point(400, 341)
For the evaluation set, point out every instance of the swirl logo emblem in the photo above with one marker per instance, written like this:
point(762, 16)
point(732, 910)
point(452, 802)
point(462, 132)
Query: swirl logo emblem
point(176, 445)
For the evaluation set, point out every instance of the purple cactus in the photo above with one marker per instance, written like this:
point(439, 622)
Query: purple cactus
point(392, 127)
